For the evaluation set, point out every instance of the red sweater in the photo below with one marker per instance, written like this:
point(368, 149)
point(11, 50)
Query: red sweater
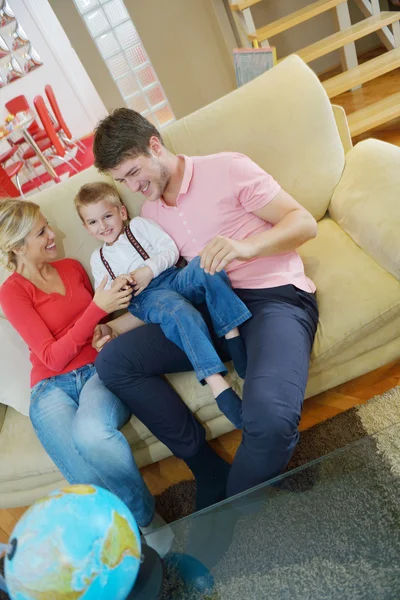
point(58, 329)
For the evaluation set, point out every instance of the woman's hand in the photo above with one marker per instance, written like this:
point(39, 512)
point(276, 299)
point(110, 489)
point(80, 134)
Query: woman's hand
point(113, 299)
point(142, 277)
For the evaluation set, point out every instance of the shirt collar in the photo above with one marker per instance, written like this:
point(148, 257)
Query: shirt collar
point(186, 181)
point(187, 175)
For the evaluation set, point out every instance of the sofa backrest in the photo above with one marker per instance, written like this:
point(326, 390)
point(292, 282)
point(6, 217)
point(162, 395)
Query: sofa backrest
point(283, 120)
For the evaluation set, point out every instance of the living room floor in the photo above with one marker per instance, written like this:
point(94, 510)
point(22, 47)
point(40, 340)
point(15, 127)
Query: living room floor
point(161, 475)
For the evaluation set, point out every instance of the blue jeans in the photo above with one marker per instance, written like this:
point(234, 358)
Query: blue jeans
point(167, 301)
point(77, 421)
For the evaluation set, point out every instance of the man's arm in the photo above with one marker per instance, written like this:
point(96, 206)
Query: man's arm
point(292, 224)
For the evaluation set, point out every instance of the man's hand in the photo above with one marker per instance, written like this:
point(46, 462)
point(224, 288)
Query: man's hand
point(142, 278)
point(102, 334)
point(221, 251)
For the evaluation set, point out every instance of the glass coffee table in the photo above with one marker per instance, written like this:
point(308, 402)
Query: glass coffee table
point(328, 530)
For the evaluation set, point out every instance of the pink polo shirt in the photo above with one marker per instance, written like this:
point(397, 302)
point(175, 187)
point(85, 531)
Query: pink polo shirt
point(217, 197)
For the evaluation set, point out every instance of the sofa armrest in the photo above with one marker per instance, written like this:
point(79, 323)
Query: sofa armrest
point(343, 127)
point(366, 202)
point(3, 410)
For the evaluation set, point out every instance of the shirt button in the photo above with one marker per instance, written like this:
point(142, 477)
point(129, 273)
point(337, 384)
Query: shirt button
point(185, 222)
point(181, 214)
point(189, 231)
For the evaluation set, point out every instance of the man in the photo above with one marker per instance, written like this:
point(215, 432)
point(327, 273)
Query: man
point(227, 209)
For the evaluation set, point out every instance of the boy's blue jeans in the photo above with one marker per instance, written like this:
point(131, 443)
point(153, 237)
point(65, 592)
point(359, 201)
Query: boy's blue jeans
point(77, 420)
point(167, 301)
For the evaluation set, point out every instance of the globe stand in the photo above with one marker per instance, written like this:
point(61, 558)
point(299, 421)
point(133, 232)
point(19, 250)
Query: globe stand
point(150, 577)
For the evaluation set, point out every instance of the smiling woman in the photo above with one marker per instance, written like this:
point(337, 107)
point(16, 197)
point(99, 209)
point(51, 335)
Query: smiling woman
point(53, 308)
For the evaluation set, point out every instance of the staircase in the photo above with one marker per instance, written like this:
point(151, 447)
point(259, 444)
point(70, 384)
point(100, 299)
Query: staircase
point(353, 75)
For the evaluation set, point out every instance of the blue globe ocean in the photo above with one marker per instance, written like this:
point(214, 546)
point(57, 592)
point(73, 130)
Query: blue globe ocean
point(78, 543)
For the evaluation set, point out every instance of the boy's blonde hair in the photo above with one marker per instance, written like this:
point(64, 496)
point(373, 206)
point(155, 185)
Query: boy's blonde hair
point(17, 219)
point(91, 193)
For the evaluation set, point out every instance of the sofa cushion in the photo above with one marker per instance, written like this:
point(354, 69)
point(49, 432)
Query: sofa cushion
point(356, 296)
point(15, 368)
point(21, 454)
point(196, 396)
point(366, 202)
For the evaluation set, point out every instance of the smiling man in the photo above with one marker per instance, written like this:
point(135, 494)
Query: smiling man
point(229, 211)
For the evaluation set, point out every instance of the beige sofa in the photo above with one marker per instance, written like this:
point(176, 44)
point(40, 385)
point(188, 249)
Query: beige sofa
point(285, 122)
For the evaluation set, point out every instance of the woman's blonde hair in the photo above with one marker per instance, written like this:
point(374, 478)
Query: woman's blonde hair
point(17, 218)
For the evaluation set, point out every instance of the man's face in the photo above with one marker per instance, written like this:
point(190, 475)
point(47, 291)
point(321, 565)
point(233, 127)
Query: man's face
point(145, 173)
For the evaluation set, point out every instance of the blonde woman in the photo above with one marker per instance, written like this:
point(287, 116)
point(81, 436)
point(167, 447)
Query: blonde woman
point(51, 305)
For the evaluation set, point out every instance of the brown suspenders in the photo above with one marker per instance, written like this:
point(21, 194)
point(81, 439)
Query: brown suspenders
point(139, 249)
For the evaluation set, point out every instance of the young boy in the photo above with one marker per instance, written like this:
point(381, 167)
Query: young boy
point(145, 255)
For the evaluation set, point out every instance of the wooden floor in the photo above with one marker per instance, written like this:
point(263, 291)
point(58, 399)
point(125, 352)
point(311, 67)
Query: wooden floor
point(161, 475)
point(367, 94)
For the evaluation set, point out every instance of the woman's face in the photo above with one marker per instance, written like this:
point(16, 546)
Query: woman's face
point(39, 244)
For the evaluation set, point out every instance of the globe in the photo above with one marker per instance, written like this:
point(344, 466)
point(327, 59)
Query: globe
point(78, 543)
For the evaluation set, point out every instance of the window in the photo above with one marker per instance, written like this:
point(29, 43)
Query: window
point(119, 44)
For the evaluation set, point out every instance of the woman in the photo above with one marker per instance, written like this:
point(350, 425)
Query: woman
point(76, 419)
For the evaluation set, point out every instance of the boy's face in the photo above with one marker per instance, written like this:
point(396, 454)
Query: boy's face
point(104, 221)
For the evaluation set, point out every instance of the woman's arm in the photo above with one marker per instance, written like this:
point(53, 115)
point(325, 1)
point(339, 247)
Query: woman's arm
point(54, 353)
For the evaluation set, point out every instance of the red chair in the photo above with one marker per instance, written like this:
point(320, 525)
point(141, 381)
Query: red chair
point(7, 155)
point(13, 170)
point(17, 104)
point(52, 145)
point(7, 187)
point(20, 104)
point(60, 119)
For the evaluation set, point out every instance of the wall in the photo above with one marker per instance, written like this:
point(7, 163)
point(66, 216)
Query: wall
point(61, 68)
point(184, 42)
point(310, 31)
point(86, 49)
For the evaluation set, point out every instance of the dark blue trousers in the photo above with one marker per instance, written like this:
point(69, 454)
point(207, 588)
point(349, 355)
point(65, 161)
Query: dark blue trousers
point(278, 337)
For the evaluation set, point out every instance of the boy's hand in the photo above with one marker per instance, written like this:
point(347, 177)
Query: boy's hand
point(122, 282)
point(142, 277)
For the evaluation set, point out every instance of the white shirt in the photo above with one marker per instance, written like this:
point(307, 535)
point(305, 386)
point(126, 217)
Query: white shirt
point(123, 258)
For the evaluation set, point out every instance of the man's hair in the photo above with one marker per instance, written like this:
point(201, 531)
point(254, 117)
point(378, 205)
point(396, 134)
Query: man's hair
point(92, 193)
point(123, 134)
